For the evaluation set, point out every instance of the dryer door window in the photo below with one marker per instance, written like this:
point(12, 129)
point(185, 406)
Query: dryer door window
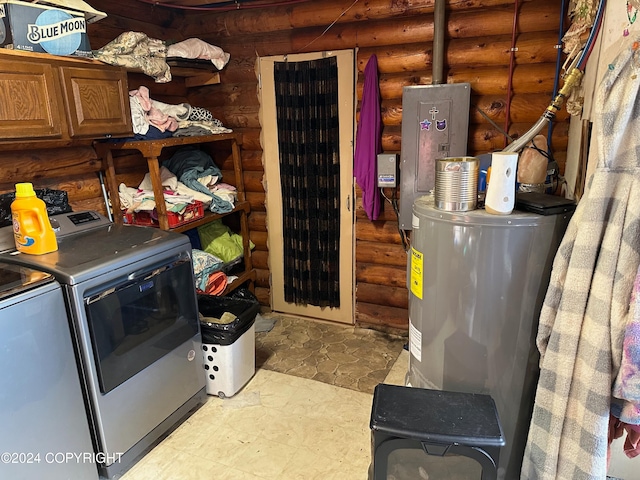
point(138, 321)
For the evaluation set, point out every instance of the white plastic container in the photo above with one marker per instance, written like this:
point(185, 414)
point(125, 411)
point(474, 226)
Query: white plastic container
point(229, 367)
point(501, 191)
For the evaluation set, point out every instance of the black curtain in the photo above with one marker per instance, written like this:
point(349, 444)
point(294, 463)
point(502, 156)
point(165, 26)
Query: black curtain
point(307, 112)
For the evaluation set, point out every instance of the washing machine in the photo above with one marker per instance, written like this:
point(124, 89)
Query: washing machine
point(130, 296)
point(45, 431)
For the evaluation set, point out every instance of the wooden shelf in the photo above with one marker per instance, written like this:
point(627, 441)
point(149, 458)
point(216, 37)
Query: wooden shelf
point(192, 77)
point(151, 150)
point(195, 76)
point(196, 72)
point(47, 56)
point(244, 277)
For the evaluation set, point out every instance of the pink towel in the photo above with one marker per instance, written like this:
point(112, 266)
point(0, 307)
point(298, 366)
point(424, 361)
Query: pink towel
point(216, 284)
point(156, 117)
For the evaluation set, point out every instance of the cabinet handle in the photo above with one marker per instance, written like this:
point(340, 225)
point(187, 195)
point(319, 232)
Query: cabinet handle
point(348, 203)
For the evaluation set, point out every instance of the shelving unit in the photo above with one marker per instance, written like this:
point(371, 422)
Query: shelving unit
point(151, 151)
point(196, 73)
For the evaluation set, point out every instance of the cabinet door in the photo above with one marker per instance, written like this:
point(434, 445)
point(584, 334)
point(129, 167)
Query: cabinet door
point(97, 102)
point(30, 105)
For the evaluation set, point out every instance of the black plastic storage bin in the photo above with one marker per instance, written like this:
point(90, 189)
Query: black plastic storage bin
point(228, 348)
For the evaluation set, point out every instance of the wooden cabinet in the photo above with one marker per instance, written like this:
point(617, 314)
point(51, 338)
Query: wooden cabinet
point(48, 101)
point(151, 151)
point(30, 105)
point(96, 101)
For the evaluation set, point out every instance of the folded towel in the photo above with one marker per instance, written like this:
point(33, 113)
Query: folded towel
point(168, 179)
point(216, 284)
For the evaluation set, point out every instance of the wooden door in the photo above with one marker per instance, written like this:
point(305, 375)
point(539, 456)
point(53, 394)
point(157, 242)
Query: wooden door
point(268, 118)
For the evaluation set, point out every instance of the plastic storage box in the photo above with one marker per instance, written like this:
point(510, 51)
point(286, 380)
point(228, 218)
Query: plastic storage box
point(192, 212)
point(229, 349)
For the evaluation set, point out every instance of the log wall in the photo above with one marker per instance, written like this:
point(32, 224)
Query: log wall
point(478, 49)
point(75, 170)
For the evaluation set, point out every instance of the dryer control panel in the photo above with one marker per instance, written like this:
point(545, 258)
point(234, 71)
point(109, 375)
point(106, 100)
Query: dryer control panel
point(74, 222)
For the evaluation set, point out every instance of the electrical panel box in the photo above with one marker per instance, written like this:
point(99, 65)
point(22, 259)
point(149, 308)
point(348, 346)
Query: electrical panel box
point(435, 124)
point(387, 170)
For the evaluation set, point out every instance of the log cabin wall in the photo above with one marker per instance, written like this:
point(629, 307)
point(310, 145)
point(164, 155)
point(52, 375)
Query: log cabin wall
point(75, 170)
point(478, 50)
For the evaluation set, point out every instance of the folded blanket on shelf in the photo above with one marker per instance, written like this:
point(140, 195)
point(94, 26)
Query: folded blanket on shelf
point(191, 164)
point(134, 200)
point(137, 200)
point(204, 264)
point(193, 128)
point(196, 48)
point(137, 50)
point(218, 239)
point(182, 189)
point(225, 191)
point(146, 112)
point(168, 179)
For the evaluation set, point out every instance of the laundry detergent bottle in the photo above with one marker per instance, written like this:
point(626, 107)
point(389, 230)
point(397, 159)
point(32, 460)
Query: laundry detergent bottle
point(31, 227)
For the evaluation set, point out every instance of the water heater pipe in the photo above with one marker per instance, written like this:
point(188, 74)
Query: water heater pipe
point(437, 60)
point(576, 72)
point(556, 78)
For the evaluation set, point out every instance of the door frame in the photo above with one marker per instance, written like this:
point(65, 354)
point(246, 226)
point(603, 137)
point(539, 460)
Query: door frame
point(273, 193)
